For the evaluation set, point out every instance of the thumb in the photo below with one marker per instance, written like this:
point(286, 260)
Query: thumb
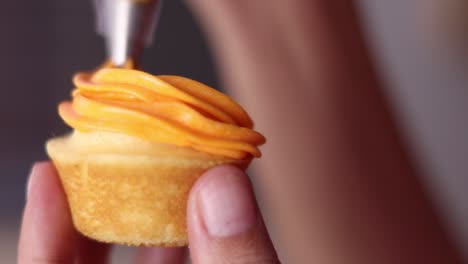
point(224, 223)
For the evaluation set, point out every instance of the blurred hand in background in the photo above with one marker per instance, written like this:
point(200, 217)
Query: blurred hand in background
point(335, 180)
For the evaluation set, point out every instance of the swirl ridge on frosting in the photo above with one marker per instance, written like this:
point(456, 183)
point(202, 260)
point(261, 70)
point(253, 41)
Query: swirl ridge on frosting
point(165, 109)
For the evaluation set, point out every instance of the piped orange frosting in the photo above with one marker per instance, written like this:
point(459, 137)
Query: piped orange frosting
point(164, 109)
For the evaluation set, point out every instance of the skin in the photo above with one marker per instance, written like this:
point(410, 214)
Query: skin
point(335, 181)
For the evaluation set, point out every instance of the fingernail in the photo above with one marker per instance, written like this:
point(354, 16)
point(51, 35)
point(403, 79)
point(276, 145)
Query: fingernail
point(227, 203)
point(35, 170)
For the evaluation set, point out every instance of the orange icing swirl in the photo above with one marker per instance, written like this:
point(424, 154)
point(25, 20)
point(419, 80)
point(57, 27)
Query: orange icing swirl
point(165, 109)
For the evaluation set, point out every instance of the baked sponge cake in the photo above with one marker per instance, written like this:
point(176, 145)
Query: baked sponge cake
point(138, 144)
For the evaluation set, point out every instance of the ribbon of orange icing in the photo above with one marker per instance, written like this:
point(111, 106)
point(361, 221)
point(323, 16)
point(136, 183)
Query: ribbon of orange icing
point(166, 109)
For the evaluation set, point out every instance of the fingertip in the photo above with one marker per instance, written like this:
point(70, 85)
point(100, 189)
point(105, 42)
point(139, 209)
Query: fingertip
point(215, 178)
point(225, 170)
point(44, 185)
point(38, 169)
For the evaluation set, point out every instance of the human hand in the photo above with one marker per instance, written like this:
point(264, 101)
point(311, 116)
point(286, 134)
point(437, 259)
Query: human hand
point(223, 220)
point(335, 162)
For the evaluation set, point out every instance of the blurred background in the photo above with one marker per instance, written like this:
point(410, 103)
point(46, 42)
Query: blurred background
point(418, 46)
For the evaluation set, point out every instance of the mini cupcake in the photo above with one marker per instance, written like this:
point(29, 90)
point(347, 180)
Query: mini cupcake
point(139, 143)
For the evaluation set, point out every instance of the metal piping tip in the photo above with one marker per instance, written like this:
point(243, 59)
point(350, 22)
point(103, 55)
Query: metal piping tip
point(127, 26)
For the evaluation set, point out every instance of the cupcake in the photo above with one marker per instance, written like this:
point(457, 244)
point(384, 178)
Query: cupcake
point(139, 142)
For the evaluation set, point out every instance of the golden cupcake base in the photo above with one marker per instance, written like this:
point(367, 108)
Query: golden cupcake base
point(127, 191)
